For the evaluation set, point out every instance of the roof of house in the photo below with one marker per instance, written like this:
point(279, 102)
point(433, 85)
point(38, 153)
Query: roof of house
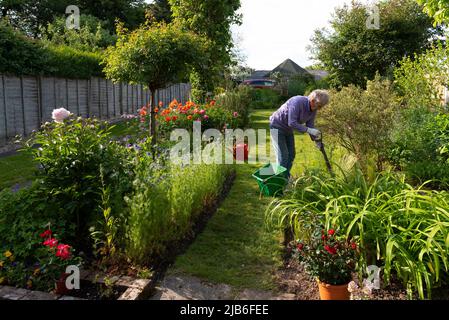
point(260, 74)
point(289, 67)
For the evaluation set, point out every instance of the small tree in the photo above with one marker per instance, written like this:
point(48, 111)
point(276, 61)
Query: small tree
point(155, 56)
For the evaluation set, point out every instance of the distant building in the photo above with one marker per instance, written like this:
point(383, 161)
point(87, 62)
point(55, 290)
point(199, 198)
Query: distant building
point(287, 69)
point(318, 74)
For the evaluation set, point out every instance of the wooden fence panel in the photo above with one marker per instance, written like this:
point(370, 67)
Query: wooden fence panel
point(3, 123)
point(27, 102)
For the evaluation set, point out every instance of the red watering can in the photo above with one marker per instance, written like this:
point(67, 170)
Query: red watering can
point(241, 150)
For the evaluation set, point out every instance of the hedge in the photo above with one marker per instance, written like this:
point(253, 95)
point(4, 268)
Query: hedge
point(20, 55)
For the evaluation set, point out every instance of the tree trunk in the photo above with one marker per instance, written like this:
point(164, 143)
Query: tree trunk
point(152, 118)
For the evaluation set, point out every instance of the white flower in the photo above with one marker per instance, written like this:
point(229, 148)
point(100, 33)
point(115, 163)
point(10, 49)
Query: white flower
point(60, 114)
point(352, 287)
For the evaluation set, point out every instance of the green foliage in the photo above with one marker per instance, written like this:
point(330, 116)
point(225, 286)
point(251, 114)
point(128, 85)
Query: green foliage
point(265, 99)
point(92, 35)
point(22, 56)
point(420, 141)
point(421, 80)
point(165, 203)
point(156, 56)
point(238, 100)
point(438, 9)
point(211, 19)
point(403, 228)
point(73, 156)
point(160, 10)
point(299, 84)
point(352, 53)
point(327, 256)
point(361, 120)
point(18, 54)
point(64, 61)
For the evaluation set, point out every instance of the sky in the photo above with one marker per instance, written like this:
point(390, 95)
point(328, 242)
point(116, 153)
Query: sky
point(274, 30)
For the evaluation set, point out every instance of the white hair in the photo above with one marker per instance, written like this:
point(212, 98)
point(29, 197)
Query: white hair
point(320, 97)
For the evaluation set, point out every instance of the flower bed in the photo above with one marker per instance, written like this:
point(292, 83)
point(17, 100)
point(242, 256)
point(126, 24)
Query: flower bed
point(400, 228)
point(117, 203)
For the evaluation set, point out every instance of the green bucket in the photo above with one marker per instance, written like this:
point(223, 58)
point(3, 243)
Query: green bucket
point(272, 179)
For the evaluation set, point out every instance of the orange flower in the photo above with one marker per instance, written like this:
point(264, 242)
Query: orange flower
point(143, 112)
point(156, 110)
point(212, 103)
point(167, 119)
point(189, 117)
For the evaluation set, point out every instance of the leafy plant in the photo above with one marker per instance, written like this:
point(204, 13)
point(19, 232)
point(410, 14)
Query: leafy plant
point(361, 120)
point(326, 256)
point(397, 225)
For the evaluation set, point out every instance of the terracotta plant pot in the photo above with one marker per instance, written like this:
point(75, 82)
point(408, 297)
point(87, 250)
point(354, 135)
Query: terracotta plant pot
point(332, 292)
point(60, 287)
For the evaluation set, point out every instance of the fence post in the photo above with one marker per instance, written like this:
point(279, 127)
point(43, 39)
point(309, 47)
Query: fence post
point(120, 101)
point(22, 98)
point(89, 90)
point(107, 99)
point(39, 101)
point(4, 107)
point(77, 99)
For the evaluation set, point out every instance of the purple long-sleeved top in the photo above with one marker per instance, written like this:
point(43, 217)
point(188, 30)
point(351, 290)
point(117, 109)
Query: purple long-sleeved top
point(293, 114)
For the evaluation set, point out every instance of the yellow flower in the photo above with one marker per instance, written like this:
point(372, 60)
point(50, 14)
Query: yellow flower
point(7, 254)
point(36, 271)
point(2, 279)
point(1, 264)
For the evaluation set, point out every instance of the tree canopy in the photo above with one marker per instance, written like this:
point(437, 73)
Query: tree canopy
point(353, 53)
point(154, 55)
point(438, 9)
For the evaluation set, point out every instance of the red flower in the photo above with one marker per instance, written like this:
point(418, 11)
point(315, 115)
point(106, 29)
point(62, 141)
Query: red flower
point(63, 251)
point(353, 245)
point(52, 242)
point(300, 246)
point(330, 249)
point(331, 232)
point(167, 119)
point(323, 237)
point(46, 234)
point(174, 118)
point(156, 110)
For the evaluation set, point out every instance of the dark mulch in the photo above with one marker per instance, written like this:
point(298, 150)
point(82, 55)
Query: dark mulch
point(97, 291)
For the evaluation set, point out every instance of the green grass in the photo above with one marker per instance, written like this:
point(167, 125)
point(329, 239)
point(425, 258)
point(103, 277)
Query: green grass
point(236, 248)
point(16, 169)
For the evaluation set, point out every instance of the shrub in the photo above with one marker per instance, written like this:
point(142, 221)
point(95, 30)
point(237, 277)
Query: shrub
point(64, 61)
point(361, 120)
point(420, 80)
point(77, 158)
point(265, 99)
point(402, 227)
point(298, 85)
point(238, 100)
point(20, 55)
point(420, 142)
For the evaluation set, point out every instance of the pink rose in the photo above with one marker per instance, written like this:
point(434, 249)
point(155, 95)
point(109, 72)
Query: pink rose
point(202, 112)
point(60, 114)
point(236, 114)
point(206, 117)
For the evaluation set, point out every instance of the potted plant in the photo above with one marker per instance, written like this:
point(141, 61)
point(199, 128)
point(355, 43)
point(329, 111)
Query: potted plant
point(330, 259)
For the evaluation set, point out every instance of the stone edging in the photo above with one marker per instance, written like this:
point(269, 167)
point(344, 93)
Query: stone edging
point(137, 289)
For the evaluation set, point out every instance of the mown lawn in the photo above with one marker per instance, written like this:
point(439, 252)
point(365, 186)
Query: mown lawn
point(236, 248)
